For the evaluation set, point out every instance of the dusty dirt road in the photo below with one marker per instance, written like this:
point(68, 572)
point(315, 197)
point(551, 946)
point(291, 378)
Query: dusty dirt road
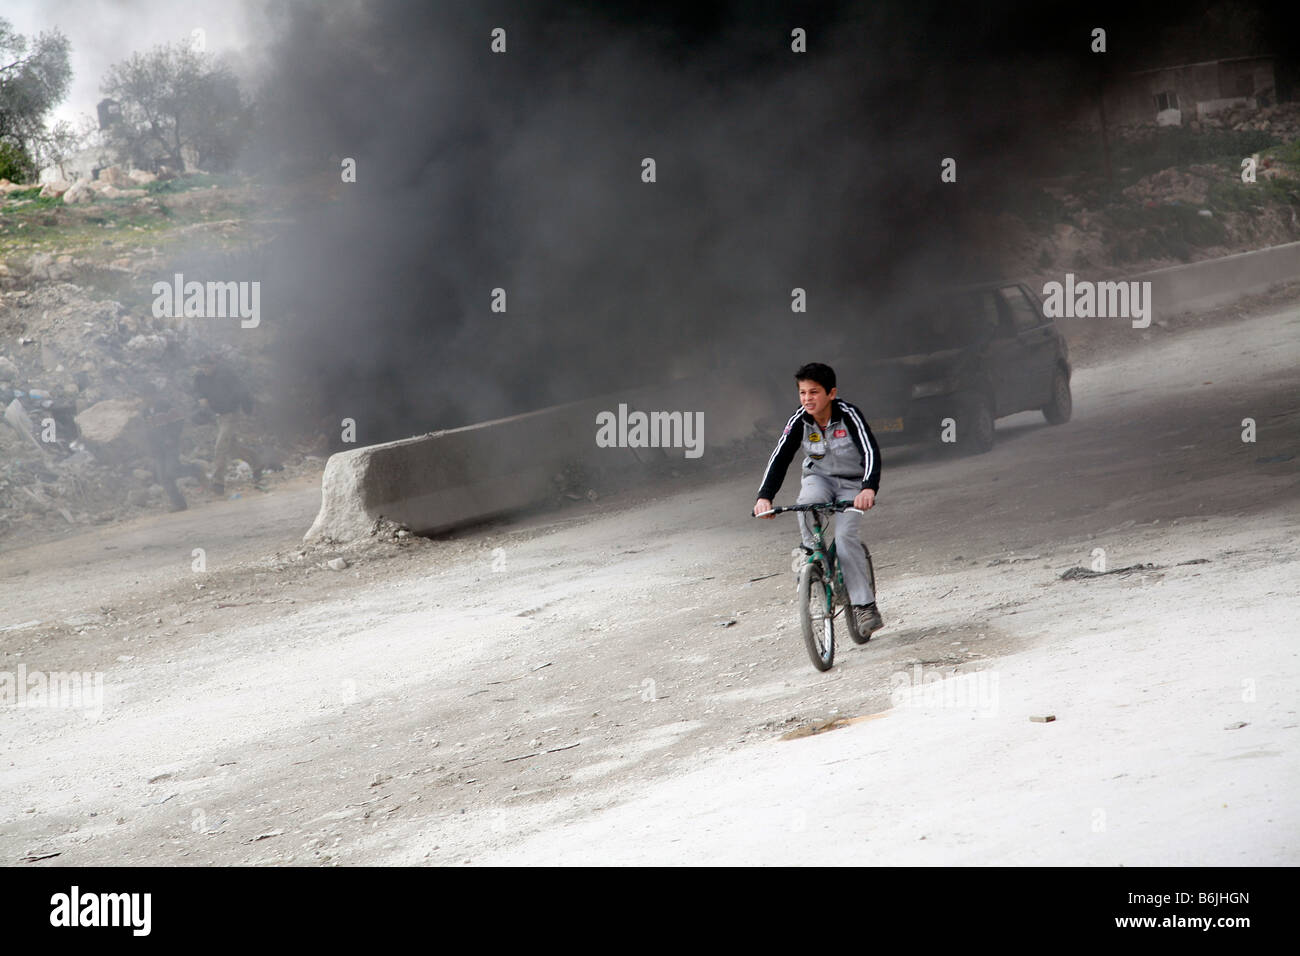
point(609, 683)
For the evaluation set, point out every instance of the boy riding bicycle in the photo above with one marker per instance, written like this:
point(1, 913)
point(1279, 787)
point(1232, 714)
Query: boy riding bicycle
point(841, 461)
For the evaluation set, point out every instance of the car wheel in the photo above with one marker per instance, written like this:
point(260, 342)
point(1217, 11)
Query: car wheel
point(1057, 411)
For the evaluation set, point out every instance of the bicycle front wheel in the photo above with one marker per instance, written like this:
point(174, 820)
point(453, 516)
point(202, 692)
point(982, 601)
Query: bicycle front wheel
point(817, 616)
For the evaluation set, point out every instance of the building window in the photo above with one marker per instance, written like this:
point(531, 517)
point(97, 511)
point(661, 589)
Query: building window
point(1166, 101)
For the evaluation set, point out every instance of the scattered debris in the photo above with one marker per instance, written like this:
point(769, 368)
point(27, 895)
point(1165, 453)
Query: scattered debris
point(834, 723)
point(388, 529)
point(1083, 574)
point(1077, 574)
point(219, 606)
point(1044, 719)
point(538, 753)
point(37, 857)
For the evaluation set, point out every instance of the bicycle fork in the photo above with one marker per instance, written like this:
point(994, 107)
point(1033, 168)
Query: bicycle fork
point(834, 584)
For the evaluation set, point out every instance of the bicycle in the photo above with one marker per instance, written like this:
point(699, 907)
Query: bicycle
point(818, 599)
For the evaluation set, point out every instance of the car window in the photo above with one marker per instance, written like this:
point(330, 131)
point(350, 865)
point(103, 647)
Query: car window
point(1024, 314)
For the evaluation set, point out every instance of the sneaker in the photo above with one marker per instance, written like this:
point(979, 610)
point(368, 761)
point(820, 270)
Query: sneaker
point(868, 618)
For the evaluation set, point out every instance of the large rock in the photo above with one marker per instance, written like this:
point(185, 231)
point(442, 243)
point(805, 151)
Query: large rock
point(45, 265)
point(115, 176)
point(16, 415)
point(79, 192)
point(56, 188)
point(39, 265)
point(109, 191)
point(113, 428)
point(142, 177)
point(150, 346)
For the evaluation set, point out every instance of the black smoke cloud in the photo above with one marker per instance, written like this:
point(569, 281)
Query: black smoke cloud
point(523, 171)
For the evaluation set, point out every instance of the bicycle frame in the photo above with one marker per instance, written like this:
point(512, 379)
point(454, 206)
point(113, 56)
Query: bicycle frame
point(817, 611)
point(826, 556)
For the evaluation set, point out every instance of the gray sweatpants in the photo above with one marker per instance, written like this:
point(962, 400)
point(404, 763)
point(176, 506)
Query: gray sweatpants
point(853, 560)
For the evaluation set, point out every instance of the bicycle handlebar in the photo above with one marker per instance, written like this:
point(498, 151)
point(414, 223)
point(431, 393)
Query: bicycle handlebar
point(819, 506)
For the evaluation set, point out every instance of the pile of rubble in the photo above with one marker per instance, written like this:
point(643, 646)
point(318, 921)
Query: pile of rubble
point(81, 380)
point(1170, 186)
point(1282, 120)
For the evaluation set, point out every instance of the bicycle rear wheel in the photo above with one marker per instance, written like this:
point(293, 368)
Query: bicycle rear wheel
point(817, 616)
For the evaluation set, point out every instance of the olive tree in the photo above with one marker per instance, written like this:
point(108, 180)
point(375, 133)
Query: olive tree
point(171, 98)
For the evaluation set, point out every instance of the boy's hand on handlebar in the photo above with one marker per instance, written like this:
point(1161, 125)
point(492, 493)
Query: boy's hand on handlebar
point(865, 500)
point(761, 505)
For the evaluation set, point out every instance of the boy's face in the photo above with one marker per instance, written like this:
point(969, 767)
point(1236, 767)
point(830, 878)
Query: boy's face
point(814, 398)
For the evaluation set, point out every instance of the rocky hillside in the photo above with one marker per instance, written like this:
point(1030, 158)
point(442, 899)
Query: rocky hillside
point(1175, 195)
point(78, 338)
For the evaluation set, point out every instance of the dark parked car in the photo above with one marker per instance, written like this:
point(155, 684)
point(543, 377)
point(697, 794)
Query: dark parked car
point(972, 355)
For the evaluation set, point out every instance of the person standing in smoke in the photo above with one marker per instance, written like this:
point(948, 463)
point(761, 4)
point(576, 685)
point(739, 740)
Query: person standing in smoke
point(164, 421)
point(221, 393)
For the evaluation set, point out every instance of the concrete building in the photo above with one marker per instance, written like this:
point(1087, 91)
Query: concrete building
point(1178, 95)
point(83, 164)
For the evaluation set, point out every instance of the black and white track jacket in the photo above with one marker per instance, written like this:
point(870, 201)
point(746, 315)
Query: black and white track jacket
point(845, 448)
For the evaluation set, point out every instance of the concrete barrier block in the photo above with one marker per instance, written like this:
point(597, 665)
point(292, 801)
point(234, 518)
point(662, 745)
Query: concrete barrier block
point(438, 481)
point(1214, 282)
